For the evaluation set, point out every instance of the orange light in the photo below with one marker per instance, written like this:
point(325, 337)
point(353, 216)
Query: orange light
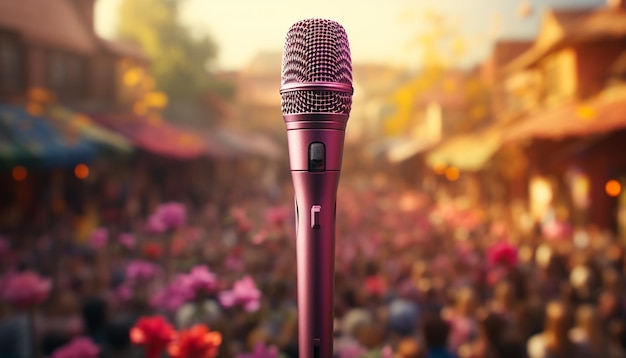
point(81, 171)
point(440, 168)
point(19, 173)
point(613, 188)
point(452, 174)
point(156, 99)
point(34, 109)
point(132, 76)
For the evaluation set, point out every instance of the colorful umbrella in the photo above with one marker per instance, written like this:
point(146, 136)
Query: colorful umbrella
point(33, 140)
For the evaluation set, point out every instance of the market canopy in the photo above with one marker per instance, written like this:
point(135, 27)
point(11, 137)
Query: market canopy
point(85, 126)
point(155, 135)
point(34, 140)
point(601, 114)
point(467, 151)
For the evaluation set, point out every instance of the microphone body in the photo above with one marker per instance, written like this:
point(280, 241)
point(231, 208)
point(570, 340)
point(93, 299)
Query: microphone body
point(315, 201)
point(316, 95)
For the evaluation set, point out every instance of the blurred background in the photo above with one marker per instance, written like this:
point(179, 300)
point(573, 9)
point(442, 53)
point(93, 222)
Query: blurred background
point(146, 206)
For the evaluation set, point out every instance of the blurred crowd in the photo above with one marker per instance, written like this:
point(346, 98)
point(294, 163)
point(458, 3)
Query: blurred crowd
point(417, 275)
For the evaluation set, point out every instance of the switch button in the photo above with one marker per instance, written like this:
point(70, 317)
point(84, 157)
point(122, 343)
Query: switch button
point(317, 157)
point(315, 216)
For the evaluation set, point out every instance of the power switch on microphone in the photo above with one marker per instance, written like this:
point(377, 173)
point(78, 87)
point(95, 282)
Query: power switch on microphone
point(317, 157)
point(315, 216)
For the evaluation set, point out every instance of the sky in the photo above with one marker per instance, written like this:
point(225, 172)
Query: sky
point(379, 31)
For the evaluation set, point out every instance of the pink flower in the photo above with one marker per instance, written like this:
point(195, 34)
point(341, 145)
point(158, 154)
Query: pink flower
point(277, 215)
point(260, 351)
point(186, 287)
point(99, 238)
point(234, 263)
point(386, 352)
point(168, 216)
point(79, 347)
point(174, 295)
point(168, 299)
point(244, 293)
point(201, 279)
point(502, 253)
point(124, 292)
point(351, 350)
point(25, 289)
point(173, 214)
point(139, 270)
point(154, 225)
point(127, 240)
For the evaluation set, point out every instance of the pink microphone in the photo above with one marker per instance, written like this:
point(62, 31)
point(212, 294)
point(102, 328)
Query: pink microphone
point(316, 96)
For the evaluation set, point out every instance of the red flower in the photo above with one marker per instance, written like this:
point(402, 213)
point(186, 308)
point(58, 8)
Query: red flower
point(196, 342)
point(502, 254)
point(99, 238)
point(153, 333)
point(152, 251)
point(375, 286)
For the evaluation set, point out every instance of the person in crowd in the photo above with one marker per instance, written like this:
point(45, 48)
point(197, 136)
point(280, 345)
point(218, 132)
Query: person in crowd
point(415, 274)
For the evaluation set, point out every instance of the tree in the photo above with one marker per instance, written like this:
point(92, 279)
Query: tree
point(180, 62)
point(439, 47)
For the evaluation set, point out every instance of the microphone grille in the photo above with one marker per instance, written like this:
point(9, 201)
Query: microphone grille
point(316, 50)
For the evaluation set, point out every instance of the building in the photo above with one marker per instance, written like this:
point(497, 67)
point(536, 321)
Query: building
point(52, 45)
point(567, 98)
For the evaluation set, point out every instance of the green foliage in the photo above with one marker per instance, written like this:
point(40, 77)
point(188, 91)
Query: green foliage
point(179, 61)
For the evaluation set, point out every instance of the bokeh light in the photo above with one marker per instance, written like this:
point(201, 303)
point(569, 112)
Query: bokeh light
point(19, 173)
point(541, 195)
point(440, 168)
point(613, 188)
point(81, 171)
point(484, 155)
point(453, 174)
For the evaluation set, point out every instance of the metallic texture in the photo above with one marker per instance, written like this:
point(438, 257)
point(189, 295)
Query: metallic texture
point(316, 52)
point(316, 97)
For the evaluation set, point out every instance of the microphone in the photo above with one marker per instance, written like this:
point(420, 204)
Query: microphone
point(316, 97)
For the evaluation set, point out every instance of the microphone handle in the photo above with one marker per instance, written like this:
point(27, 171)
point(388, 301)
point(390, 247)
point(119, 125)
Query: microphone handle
point(316, 198)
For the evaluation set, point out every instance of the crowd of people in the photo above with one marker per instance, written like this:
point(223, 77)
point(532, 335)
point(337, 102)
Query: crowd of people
point(417, 275)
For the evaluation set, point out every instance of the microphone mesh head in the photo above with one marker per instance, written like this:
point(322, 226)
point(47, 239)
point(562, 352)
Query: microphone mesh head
point(316, 50)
